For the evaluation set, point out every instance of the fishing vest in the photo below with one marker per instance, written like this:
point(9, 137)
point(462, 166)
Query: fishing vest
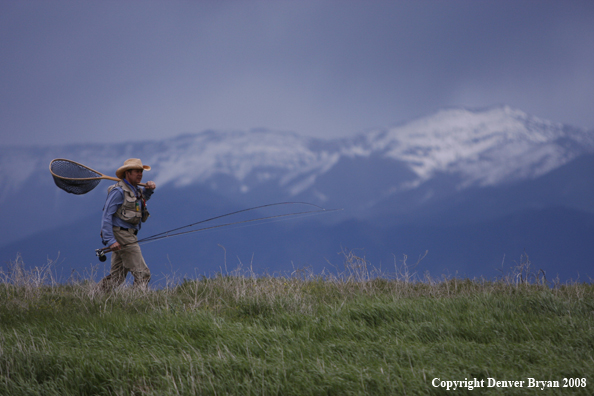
point(133, 210)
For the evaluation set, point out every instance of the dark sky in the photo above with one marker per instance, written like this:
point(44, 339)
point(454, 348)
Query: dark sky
point(100, 71)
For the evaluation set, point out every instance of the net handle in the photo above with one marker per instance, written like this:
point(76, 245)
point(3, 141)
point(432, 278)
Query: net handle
point(85, 178)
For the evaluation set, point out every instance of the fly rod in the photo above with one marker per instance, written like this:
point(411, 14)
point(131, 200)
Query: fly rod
point(176, 231)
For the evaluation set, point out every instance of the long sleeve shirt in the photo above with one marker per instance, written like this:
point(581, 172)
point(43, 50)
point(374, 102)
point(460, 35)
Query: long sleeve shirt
point(109, 220)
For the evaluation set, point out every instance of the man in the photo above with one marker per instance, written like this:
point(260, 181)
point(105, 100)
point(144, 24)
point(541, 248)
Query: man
point(124, 212)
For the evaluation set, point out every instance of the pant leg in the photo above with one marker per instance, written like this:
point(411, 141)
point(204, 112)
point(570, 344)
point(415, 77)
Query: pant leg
point(128, 259)
point(117, 273)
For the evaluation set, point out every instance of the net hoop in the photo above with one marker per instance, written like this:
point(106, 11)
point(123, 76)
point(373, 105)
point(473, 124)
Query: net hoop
point(66, 176)
point(100, 175)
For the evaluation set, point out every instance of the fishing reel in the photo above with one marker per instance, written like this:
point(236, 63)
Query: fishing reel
point(101, 254)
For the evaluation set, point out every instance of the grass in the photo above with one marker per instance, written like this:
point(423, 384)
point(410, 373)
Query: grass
point(351, 333)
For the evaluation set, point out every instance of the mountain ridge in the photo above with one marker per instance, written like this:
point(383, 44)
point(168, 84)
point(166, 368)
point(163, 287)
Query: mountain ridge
point(484, 147)
point(449, 171)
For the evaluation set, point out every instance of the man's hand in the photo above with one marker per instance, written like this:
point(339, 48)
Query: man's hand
point(150, 185)
point(115, 247)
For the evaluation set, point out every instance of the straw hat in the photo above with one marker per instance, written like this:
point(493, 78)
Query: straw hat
point(131, 163)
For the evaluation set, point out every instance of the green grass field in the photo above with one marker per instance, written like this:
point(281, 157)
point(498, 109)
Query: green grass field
point(347, 334)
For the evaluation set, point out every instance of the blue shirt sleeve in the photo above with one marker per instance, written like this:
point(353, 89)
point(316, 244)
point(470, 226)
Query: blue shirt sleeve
point(114, 199)
point(147, 192)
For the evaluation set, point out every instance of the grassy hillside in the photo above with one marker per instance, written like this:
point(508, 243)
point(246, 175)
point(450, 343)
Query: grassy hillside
point(303, 334)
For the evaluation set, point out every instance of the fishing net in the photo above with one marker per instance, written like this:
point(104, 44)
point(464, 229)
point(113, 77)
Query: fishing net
point(73, 177)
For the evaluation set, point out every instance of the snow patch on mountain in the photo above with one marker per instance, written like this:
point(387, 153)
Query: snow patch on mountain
point(484, 147)
point(267, 155)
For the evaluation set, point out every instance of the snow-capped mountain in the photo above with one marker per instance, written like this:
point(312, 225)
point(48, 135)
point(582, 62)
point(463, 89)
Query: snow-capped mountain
point(455, 166)
point(485, 147)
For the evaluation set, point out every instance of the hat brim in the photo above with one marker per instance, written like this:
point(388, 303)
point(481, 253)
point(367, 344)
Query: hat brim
point(122, 170)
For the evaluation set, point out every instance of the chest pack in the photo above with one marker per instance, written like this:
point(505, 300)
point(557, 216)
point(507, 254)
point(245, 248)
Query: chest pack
point(133, 210)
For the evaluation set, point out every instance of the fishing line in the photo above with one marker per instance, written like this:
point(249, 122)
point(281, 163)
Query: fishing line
point(171, 233)
point(150, 239)
point(235, 213)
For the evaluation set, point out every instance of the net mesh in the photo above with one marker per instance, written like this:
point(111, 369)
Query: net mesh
point(74, 178)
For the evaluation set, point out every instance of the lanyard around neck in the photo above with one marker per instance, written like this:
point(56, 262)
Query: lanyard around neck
point(136, 192)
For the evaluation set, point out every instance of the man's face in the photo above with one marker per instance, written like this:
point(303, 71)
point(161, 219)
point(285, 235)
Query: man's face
point(134, 176)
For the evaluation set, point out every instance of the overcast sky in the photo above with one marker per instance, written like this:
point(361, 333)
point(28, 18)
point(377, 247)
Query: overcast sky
point(100, 71)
